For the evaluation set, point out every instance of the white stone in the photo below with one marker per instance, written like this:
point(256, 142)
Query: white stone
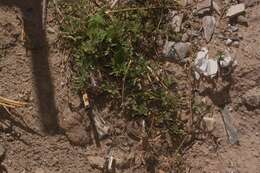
point(204, 65)
point(235, 10)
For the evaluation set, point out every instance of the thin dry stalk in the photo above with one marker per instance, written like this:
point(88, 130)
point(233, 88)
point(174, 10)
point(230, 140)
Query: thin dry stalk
point(10, 103)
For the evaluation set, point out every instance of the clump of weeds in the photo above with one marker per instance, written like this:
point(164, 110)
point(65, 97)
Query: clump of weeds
point(114, 53)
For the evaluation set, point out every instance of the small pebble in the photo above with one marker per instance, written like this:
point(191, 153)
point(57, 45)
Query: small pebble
point(228, 42)
point(236, 44)
point(185, 37)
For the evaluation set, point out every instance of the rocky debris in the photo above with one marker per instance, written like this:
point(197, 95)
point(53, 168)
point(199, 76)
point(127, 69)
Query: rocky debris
point(2, 153)
point(185, 37)
point(97, 162)
point(236, 44)
point(203, 66)
point(235, 10)
point(208, 24)
point(228, 42)
point(229, 127)
point(209, 123)
point(204, 6)
point(182, 50)
point(232, 28)
point(227, 61)
point(252, 98)
point(176, 21)
point(168, 50)
point(176, 51)
point(216, 7)
point(74, 126)
point(102, 127)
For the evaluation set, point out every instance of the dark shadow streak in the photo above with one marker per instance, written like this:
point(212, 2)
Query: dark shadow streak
point(37, 43)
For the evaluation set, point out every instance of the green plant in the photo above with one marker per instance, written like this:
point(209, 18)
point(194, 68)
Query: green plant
point(112, 54)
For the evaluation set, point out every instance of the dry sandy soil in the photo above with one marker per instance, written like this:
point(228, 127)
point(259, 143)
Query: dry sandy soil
point(38, 75)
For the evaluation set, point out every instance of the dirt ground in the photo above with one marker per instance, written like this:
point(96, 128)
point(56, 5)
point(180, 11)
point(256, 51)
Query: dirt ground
point(243, 158)
point(39, 76)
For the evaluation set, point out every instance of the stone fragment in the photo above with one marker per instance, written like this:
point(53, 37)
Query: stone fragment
point(212, 68)
point(205, 66)
point(168, 50)
point(102, 127)
point(176, 21)
point(252, 98)
point(185, 37)
point(208, 24)
point(236, 44)
point(235, 10)
point(204, 6)
point(96, 162)
point(209, 123)
point(182, 49)
point(227, 61)
point(216, 7)
point(228, 42)
point(232, 28)
point(232, 132)
point(176, 51)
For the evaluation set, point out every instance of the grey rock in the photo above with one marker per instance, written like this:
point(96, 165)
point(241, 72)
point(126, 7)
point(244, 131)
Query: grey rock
point(227, 61)
point(216, 7)
point(236, 10)
point(205, 66)
point(185, 37)
point(232, 132)
point(182, 49)
point(168, 50)
point(102, 127)
point(210, 123)
point(176, 21)
point(236, 44)
point(208, 24)
point(228, 42)
point(96, 162)
point(204, 6)
point(252, 98)
point(233, 28)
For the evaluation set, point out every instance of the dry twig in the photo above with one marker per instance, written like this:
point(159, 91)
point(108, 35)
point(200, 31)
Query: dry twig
point(10, 103)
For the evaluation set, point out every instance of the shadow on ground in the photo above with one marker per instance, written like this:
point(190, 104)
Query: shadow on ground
point(37, 44)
